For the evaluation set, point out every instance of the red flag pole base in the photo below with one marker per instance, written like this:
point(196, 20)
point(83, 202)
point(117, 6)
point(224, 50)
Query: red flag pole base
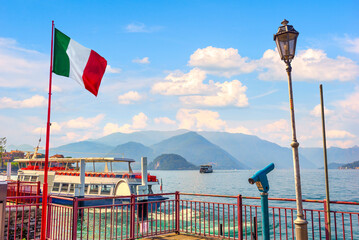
point(43, 212)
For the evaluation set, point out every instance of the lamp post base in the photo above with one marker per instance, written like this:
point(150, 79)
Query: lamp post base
point(301, 230)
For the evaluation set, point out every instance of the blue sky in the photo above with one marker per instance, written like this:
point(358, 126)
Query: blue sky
point(198, 65)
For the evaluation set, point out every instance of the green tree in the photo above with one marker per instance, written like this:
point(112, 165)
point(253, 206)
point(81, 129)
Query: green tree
point(2, 149)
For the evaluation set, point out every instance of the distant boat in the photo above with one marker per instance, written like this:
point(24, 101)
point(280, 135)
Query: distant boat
point(206, 169)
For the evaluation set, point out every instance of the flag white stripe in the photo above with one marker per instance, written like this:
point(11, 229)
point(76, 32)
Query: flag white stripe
point(79, 56)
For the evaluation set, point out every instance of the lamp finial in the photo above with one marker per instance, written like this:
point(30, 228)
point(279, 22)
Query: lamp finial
point(285, 22)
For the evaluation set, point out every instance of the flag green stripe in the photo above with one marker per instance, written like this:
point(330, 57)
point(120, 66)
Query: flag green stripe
point(61, 65)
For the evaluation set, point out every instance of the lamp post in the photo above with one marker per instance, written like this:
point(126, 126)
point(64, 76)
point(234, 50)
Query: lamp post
point(286, 40)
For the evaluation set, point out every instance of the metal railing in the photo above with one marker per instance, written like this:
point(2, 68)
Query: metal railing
point(110, 217)
point(22, 217)
point(21, 189)
point(344, 218)
point(225, 217)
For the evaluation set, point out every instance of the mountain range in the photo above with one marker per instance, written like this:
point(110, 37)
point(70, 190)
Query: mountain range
point(221, 149)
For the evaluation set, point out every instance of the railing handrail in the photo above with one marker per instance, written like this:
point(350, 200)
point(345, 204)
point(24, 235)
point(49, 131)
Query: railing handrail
point(23, 197)
point(272, 199)
point(207, 195)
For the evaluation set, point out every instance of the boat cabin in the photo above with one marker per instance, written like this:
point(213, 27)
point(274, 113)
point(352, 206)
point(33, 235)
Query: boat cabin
point(64, 176)
point(206, 169)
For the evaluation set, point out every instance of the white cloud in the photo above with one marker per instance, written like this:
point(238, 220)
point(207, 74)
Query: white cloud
point(114, 128)
point(352, 45)
point(141, 60)
point(10, 43)
point(338, 134)
point(129, 97)
point(111, 128)
point(277, 131)
point(34, 101)
point(110, 69)
point(54, 129)
point(341, 144)
point(136, 27)
point(206, 120)
point(194, 119)
point(221, 62)
point(164, 120)
point(139, 121)
point(239, 129)
point(317, 111)
point(308, 65)
point(78, 129)
point(350, 105)
point(84, 123)
point(55, 88)
point(228, 93)
point(179, 83)
point(21, 67)
point(279, 126)
point(70, 136)
point(141, 28)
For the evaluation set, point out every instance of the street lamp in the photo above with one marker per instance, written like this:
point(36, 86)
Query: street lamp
point(286, 40)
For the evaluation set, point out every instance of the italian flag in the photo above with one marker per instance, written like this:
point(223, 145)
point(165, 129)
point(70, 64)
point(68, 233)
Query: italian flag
point(77, 62)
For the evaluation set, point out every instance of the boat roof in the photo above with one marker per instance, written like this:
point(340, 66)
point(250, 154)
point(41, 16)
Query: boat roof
point(73, 160)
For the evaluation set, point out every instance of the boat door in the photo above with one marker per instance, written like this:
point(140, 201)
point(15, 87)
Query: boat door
point(122, 188)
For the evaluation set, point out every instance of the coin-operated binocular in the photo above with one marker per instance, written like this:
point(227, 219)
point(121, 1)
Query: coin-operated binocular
point(260, 179)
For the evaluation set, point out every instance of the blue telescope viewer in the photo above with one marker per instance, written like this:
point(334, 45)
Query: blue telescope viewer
point(260, 179)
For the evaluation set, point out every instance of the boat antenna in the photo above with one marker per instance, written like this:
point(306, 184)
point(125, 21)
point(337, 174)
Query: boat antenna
point(38, 146)
point(40, 137)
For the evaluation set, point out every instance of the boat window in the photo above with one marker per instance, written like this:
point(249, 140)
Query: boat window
point(33, 178)
point(56, 187)
point(26, 178)
point(64, 187)
point(106, 189)
point(86, 188)
point(150, 189)
point(72, 188)
point(133, 189)
point(94, 189)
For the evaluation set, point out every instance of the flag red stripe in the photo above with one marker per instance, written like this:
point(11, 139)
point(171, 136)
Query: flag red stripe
point(93, 72)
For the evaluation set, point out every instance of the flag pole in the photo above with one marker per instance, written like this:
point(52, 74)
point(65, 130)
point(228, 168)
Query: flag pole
point(45, 186)
point(327, 210)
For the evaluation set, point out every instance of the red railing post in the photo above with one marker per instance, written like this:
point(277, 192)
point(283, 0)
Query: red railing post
point(17, 191)
point(75, 213)
point(177, 198)
point(49, 218)
point(38, 189)
point(326, 222)
point(132, 216)
point(240, 217)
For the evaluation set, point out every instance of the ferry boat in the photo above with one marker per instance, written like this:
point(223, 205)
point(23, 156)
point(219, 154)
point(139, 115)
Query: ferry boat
point(206, 169)
point(67, 179)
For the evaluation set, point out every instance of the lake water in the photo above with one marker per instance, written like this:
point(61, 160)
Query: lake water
point(344, 184)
